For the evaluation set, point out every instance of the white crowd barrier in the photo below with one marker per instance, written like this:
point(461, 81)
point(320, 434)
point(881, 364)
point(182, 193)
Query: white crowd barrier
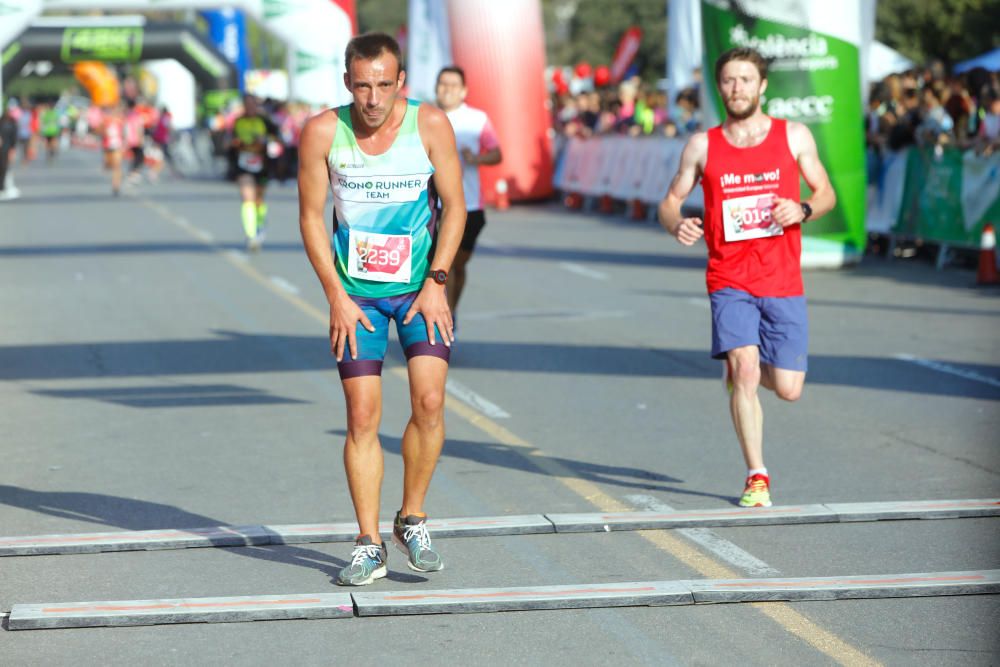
point(623, 168)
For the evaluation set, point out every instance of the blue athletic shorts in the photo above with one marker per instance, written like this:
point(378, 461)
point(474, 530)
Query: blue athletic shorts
point(372, 345)
point(778, 326)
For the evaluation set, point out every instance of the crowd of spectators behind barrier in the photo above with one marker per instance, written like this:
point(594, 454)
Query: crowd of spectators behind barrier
point(924, 106)
point(631, 108)
point(929, 107)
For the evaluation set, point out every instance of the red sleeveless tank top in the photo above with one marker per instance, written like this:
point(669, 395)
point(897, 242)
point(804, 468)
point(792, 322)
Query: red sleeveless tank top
point(745, 251)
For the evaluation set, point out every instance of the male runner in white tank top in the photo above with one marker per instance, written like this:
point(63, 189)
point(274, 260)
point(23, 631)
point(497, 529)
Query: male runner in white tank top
point(478, 145)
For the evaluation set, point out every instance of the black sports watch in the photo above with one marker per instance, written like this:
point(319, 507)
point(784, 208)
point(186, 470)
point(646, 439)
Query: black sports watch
point(440, 276)
point(807, 211)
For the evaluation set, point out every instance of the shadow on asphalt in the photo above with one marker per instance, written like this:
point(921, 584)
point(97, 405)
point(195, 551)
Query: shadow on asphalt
point(839, 303)
point(236, 352)
point(173, 396)
point(504, 456)
point(186, 247)
point(583, 255)
point(132, 514)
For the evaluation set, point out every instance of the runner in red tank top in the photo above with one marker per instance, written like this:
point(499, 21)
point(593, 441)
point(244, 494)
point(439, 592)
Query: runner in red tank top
point(749, 168)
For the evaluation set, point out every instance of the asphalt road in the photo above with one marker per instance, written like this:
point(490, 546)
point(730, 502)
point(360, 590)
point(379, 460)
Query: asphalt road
point(153, 375)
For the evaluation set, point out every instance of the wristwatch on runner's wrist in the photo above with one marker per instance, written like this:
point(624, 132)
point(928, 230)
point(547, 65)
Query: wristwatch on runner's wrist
point(807, 211)
point(440, 276)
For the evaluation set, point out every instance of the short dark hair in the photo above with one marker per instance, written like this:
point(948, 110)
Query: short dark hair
point(371, 45)
point(453, 69)
point(751, 56)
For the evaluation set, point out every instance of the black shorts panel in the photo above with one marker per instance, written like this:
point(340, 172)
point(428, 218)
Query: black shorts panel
point(474, 223)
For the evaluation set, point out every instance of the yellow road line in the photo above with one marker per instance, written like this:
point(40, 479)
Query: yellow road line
point(782, 614)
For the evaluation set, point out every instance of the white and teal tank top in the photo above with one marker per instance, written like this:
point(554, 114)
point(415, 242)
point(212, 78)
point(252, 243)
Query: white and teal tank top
point(384, 210)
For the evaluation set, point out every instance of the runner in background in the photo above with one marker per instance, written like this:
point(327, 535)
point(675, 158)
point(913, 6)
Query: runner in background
point(135, 141)
point(50, 128)
point(162, 135)
point(252, 131)
point(113, 143)
point(8, 151)
point(478, 145)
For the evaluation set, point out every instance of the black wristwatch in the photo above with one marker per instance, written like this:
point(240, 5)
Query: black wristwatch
point(440, 276)
point(807, 211)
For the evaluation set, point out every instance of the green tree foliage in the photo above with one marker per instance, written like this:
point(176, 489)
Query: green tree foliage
point(381, 15)
point(575, 30)
point(949, 30)
point(589, 30)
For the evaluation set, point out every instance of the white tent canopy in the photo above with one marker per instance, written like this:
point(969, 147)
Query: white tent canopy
point(883, 61)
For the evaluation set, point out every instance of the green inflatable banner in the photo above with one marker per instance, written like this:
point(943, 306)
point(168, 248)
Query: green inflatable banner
point(813, 78)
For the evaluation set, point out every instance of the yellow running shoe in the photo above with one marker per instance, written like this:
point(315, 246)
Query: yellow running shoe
point(757, 493)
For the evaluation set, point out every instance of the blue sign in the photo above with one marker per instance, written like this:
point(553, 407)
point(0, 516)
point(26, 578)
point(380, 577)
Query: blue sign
point(227, 29)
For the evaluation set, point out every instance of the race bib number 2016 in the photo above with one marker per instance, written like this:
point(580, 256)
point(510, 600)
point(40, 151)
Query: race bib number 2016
point(382, 257)
point(745, 218)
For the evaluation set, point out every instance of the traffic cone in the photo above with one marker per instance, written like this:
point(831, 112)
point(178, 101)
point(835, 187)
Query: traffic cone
point(574, 200)
point(503, 200)
point(987, 274)
point(638, 210)
point(607, 205)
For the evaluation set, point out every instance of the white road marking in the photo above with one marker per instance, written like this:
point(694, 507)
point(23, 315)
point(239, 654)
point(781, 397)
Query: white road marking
point(951, 370)
point(202, 235)
point(581, 270)
point(240, 257)
point(701, 303)
point(474, 400)
point(704, 537)
point(281, 283)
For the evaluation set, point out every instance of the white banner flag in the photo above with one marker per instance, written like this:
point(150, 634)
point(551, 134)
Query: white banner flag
point(428, 47)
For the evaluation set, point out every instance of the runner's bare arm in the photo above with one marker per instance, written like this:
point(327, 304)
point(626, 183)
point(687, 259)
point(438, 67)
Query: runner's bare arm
point(803, 146)
point(486, 159)
point(439, 141)
point(314, 184)
point(687, 230)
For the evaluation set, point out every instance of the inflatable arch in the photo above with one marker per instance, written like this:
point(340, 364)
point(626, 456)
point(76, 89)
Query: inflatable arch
point(316, 32)
point(125, 41)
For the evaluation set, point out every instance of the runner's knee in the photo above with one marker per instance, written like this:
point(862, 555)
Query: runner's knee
point(362, 418)
point(745, 370)
point(428, 406)
point(788, 391)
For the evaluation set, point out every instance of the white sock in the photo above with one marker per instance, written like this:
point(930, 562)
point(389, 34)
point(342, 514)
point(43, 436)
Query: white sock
point(757, 471)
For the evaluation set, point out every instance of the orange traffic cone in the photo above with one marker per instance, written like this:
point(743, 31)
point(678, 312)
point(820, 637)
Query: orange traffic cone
point(574, 200)
point(503, 200)
point(638, 210)
point(987, 274)
point(607, 205)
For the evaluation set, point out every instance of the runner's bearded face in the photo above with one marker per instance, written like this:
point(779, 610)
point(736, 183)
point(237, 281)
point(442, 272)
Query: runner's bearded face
point(375, 85)
point(740, 86)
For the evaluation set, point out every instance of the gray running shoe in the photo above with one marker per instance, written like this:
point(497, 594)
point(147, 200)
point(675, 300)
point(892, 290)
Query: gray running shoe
point(367, 563)
point(410, 535)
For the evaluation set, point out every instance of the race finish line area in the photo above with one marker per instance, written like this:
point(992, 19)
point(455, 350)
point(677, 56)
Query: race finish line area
point(724, 384)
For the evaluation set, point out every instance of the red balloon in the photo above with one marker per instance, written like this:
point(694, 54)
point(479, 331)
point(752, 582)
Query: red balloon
point(562, 88)
point(602, 75)
point(583, 70)
point(557, 76)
